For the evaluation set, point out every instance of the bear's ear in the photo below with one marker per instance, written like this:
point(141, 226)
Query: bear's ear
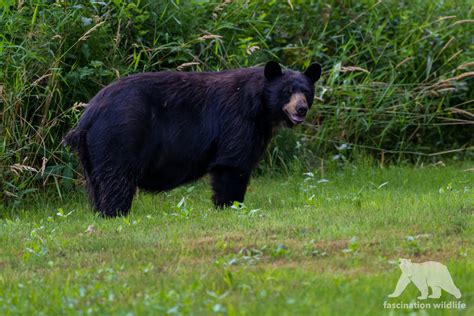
point(313, 72)
point(404, 261)
point(272, 70)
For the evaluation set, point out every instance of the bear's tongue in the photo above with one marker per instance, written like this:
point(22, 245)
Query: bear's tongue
point(296, 118)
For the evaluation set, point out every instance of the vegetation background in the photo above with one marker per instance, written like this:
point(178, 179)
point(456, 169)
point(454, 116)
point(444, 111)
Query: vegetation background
point(397, 83)
point(338, 200)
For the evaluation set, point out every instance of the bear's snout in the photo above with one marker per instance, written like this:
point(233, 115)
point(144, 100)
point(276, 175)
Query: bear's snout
point(296, 108)
point(301, 109)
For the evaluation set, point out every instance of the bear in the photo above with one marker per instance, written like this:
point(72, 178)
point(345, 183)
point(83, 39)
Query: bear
point(158, 130)
point(423, 275)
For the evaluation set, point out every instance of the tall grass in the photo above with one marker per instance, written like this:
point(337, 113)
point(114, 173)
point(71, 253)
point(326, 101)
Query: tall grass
point(398, 76)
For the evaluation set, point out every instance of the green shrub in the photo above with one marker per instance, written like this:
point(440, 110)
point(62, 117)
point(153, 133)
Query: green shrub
point(397, 83)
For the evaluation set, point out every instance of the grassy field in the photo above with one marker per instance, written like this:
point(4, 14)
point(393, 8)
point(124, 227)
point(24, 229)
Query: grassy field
point(323, 244)
point(397, 85)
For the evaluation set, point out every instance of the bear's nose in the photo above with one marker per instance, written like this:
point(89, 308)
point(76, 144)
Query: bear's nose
point(301, 110)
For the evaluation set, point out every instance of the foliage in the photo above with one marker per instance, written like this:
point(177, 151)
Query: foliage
point(301, 245)
point(397, 82)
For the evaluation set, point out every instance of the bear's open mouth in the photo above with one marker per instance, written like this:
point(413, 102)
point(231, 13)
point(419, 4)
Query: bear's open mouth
point(295, 118)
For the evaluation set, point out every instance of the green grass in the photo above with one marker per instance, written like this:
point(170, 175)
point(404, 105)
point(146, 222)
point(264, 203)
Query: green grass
point(298, 246)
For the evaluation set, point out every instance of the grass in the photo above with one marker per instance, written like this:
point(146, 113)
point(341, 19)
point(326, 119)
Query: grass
point(299, 245)
point(397, 84)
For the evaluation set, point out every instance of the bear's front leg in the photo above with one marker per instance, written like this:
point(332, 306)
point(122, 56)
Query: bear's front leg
point(229, 184)
point(401, 285)
point(436, 292)
point(421, 284)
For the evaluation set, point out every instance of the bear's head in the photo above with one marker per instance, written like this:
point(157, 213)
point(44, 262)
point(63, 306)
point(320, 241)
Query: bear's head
point(406, 266)
point(288, 95)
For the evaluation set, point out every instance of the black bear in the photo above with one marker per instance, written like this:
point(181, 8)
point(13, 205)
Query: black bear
point(158, 130)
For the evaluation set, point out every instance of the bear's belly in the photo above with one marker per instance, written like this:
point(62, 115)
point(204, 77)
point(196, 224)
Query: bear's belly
point(172, 169)
point(169, 178)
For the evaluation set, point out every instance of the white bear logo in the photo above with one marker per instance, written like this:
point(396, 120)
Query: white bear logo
point(423, 275)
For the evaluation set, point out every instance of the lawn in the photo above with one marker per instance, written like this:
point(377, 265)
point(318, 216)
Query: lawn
point(309, 243)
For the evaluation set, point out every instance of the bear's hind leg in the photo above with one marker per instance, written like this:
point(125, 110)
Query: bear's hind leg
point(113, 191)
point(453, 290)
point(229, 184)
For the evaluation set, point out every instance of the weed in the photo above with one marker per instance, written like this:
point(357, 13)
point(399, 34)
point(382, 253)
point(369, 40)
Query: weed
point(397, 80)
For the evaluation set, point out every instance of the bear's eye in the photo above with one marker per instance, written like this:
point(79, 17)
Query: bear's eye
point(287, 92)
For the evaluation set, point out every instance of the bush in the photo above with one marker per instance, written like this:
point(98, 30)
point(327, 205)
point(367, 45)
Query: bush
point(397, 83)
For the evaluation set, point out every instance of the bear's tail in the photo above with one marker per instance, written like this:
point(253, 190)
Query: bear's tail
point(77, 141)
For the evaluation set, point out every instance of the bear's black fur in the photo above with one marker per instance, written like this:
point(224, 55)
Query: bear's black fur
point(159, 130)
